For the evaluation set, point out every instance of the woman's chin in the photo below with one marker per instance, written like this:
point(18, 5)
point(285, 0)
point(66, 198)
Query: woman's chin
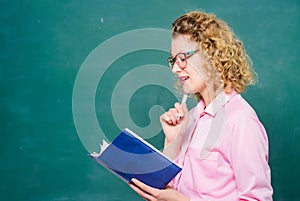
point(187, 90)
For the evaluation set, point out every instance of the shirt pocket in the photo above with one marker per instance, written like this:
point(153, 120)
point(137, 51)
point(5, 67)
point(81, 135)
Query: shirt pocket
point(199, 175)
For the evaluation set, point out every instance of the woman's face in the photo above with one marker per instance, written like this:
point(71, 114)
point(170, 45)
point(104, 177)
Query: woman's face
point(192, 76)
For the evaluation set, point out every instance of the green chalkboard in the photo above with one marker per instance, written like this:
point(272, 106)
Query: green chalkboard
point(75, 72)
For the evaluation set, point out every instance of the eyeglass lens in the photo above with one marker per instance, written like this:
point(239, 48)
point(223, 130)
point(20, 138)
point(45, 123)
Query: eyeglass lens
point(180, 60)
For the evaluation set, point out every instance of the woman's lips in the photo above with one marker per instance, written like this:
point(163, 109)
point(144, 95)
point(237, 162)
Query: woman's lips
point(183, 79)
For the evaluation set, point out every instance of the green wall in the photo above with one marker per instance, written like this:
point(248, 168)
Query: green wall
point(45, 46)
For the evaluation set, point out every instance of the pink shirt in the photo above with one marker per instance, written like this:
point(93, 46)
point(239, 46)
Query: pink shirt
point(224, 155)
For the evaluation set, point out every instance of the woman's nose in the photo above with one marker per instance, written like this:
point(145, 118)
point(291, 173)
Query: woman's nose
point(176, 68)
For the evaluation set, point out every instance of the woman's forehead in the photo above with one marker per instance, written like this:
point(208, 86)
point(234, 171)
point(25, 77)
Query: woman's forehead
point(182, 43)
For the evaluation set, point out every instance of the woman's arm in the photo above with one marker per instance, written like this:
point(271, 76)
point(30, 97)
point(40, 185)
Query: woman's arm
point(249, 160)
point(174, 123)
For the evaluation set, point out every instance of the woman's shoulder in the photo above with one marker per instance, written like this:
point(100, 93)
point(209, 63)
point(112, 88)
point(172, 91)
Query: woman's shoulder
point(240, 109)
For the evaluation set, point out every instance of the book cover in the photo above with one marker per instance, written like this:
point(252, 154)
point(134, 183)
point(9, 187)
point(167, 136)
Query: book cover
point(129, 156)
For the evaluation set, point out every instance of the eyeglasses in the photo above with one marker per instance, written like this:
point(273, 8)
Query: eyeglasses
point(181, 59)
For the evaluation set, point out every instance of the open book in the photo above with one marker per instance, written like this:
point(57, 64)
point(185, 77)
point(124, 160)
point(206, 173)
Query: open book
point(129, 156)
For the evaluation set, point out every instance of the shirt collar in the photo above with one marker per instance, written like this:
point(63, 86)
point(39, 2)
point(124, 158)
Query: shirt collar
point(215, 105)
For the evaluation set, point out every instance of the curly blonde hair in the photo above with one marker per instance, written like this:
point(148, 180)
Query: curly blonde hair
point(221, 46)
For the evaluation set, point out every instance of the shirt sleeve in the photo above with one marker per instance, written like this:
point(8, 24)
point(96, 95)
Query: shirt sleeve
point(249, 159)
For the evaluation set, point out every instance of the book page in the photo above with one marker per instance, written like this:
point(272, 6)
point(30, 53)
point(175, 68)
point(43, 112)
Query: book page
point(103, 146)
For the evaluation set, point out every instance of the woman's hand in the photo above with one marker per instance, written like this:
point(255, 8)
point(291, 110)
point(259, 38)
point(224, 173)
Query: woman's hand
point(152, 194)
point(174, 122)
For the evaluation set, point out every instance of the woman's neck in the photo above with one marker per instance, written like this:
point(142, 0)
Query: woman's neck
point(209, 95)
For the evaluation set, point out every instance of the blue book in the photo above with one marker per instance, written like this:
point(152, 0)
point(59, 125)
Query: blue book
point(129, 156)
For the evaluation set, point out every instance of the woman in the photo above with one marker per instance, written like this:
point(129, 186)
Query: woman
point(220, 144)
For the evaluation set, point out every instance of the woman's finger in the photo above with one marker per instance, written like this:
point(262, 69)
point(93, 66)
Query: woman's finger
point(143, 190)
point(174, 115)
point(141, 193)
point(148, 189)
point(179, 109)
